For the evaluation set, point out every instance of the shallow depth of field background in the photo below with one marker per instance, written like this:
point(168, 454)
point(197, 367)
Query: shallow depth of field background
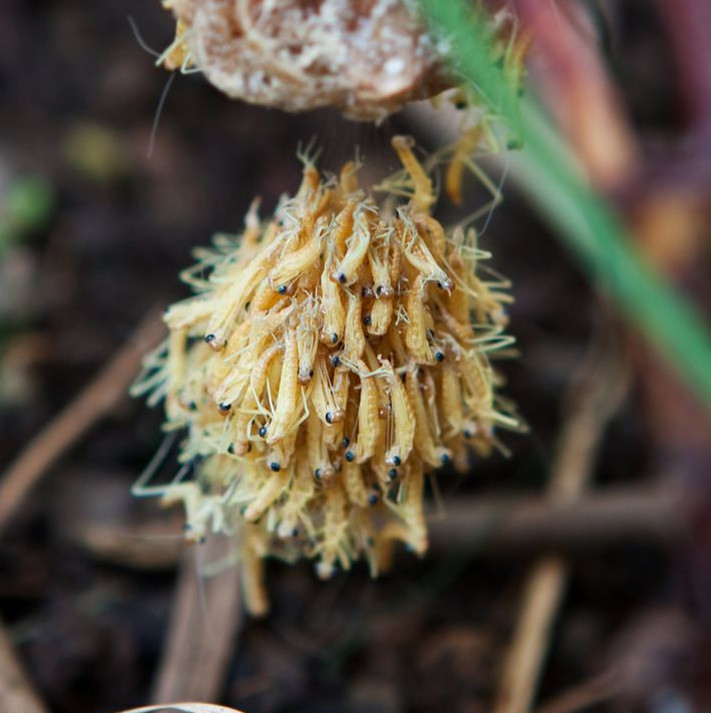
point(93, 232)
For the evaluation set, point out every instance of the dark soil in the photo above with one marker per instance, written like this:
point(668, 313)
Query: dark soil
point(78, 99)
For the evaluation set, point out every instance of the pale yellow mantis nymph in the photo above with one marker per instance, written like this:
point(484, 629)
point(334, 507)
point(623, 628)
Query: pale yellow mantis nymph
point(421, 258)
point(356, 249)
point(322, 398)
point(368, 416)
point(450, 396)
point(419, 321)
point(272, 487)
point(307, 339)
point(296, 263)
point(317, 451)
point(425, 440)
point(333, 314)
point(402, 423)
point(354, 338)
point(252, 404)
point(340, 389)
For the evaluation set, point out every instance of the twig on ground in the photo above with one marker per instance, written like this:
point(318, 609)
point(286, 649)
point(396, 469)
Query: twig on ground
point(601, 393)
point(203, 629)
point(151, 546)
point(99, 397)
point(483, 526)
point(16, 693)
point(498, 524)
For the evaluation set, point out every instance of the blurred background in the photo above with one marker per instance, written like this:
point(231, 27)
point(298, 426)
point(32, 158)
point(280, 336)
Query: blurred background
point(102, 200)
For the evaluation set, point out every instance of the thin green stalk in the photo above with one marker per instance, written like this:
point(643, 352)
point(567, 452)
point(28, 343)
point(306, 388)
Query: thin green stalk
point(585, 222)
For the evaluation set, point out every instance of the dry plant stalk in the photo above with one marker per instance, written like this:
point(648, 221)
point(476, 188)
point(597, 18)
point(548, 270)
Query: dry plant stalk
point(328, 361)
point(204, 627)
point(16, 692)
point(366, 58)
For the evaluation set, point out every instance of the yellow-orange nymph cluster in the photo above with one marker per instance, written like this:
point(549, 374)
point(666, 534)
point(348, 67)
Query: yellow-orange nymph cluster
point(332, 356)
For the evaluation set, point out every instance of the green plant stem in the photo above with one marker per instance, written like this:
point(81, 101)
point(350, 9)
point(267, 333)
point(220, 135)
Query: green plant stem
point(584, 221)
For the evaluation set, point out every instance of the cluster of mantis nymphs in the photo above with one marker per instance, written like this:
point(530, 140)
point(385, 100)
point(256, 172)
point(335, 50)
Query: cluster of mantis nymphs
point(330, 359)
